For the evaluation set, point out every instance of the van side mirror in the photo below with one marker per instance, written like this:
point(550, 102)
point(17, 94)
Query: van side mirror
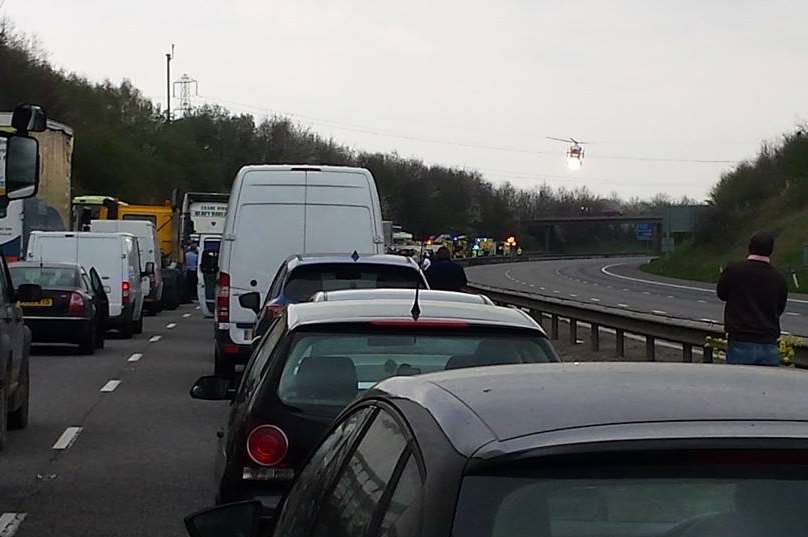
point(22, 167)
point(239, 519)
point(29, 292)
point(251, 301)
point(211, 388)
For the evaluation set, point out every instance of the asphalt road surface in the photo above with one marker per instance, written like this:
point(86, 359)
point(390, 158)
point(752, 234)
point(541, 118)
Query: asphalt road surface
point(143, 457)
point(619, 283)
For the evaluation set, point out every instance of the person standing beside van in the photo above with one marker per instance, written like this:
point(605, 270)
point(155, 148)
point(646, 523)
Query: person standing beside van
point(755, 294)
point(191, 262)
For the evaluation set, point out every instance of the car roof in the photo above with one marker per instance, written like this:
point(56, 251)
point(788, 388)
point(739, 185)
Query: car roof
point(48, 264)
point(401, 294)
point(311, 313)
point(527, 404)
point(297, 260)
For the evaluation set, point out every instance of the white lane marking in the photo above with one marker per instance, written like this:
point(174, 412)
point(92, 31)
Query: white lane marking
point(659, 312)
point(542, 288)
point(556, 291)
point(110, 386)
point(793, 314)
point(593, 299)
point(532, 284)
point(709, 321)
point(623, 305)
point(10, 523)
point(573, 294)
point(186, 315)
point(626, 290)
point(646, 293)
point(135, 357)
point(198, 307)
point(701, 301)
point(171, 325)
point(671, 296)
point(155, 339)
point(67, 438)
point(605, 270)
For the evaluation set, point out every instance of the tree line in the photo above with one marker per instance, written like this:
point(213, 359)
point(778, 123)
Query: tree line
point(124, 147)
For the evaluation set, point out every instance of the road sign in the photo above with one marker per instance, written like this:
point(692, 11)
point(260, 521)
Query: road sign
point(645, 232)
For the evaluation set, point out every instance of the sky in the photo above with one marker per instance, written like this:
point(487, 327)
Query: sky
point(652, 85)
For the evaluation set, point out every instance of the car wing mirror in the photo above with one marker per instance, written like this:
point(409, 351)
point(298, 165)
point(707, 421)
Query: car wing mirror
point(239, 519)
point(212, 388)
point(251, 301)
point(22, 167)
point(29, 292)
point(29, 118)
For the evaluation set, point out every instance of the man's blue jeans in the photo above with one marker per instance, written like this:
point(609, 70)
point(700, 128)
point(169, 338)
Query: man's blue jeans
point(745, 353)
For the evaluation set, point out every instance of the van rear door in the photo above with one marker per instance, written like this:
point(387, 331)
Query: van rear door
point(340, 212)
point(269, 227)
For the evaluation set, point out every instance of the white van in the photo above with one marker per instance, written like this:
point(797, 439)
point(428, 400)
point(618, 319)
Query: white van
point(276, 211)
point(149, 249)
point(116, 258)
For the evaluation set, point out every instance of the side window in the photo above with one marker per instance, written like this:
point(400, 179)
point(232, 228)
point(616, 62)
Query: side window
point(85, 281)
point(349, 507)
point(6, 289)
point(401, 517)
point(254, 370)
point(277, 283)
point(304, 499)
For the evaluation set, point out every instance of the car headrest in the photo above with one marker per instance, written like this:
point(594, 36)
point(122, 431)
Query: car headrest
point(459, 361)
point(327, 377)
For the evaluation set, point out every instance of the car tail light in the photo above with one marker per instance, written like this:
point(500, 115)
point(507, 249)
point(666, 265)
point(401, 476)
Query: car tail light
point(273, 310)
point(223, 298)
point(230, 348)
point(125, 292)
point(76, 305)
point(267, 445)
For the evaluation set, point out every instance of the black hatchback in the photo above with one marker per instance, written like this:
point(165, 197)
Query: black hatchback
point(561, 450)
point(73, 308)
point(317, 357)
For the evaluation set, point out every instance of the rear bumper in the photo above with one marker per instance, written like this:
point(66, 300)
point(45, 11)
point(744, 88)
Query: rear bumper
point(58, 329)
point(225, 348)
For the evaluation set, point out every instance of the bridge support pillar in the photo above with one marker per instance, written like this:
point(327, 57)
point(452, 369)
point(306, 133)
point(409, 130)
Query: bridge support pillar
point(687, 352)
point(573, 331)
point(650, 348)
point(595, 337)
point(554, 326)
point(620, 343)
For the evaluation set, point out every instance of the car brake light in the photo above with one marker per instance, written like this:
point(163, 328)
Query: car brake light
point(125, 292)
point(426, 323)
point(267, 445)
point(223, 298)
point(76, 305)
point(230, 348)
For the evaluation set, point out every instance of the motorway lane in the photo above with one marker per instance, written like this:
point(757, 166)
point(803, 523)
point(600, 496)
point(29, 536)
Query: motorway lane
point(144, 456)
point(618, 283)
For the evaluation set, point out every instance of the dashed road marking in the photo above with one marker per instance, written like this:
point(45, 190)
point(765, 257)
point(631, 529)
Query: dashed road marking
point(626, 290)
point(671, 296)
point(186, 315)
point(155, 339)
point(10, 523)
point(573, 294)
point(198, 308)
point(171, 325)
point(110, 386)
point(659, 312)
point(135, 357)
point(708, 320)
point(792, 313)
point(593, 299)
point(701, 301)
point(622, 305)
point(646, 292)
point(67, 439)
point(542, 288)
point(556, 291)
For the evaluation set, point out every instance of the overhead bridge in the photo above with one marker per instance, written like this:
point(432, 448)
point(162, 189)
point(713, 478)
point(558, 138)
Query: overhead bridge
point(549, 222)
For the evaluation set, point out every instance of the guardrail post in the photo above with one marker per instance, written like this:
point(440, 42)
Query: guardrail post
point(554, 326)
point(708, 354)
point(573, 331)
point(620, 342)
point(595, 337)
point(687, 352)
point(650, 348)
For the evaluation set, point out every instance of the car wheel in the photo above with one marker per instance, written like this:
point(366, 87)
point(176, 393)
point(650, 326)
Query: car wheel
point(3, 417)
point(222, 367)
point(18, 419)
point(137, 327)
point(87, 346)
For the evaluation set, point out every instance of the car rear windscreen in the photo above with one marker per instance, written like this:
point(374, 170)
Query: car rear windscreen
point(307, 280)
point(45, 276)
point(332, 368)
point(643, 498)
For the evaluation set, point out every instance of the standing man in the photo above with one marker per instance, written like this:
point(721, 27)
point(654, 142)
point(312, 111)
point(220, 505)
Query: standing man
point(444, 274)
point(755, 294)
point(191, 261)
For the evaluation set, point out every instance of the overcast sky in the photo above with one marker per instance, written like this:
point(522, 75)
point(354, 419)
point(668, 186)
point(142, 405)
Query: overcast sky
point(473, 84)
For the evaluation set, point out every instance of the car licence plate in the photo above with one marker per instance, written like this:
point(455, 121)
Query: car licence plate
point(44, 303)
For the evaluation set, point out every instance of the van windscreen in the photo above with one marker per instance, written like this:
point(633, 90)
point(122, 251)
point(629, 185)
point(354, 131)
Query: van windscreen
point(305, 281)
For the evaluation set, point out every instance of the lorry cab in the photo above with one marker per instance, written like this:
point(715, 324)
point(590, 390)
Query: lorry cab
point(115, 256)
point(149, 250)
point(276, 211)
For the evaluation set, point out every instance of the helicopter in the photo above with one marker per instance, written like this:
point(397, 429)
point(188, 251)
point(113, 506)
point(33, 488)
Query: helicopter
point(575, 153)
